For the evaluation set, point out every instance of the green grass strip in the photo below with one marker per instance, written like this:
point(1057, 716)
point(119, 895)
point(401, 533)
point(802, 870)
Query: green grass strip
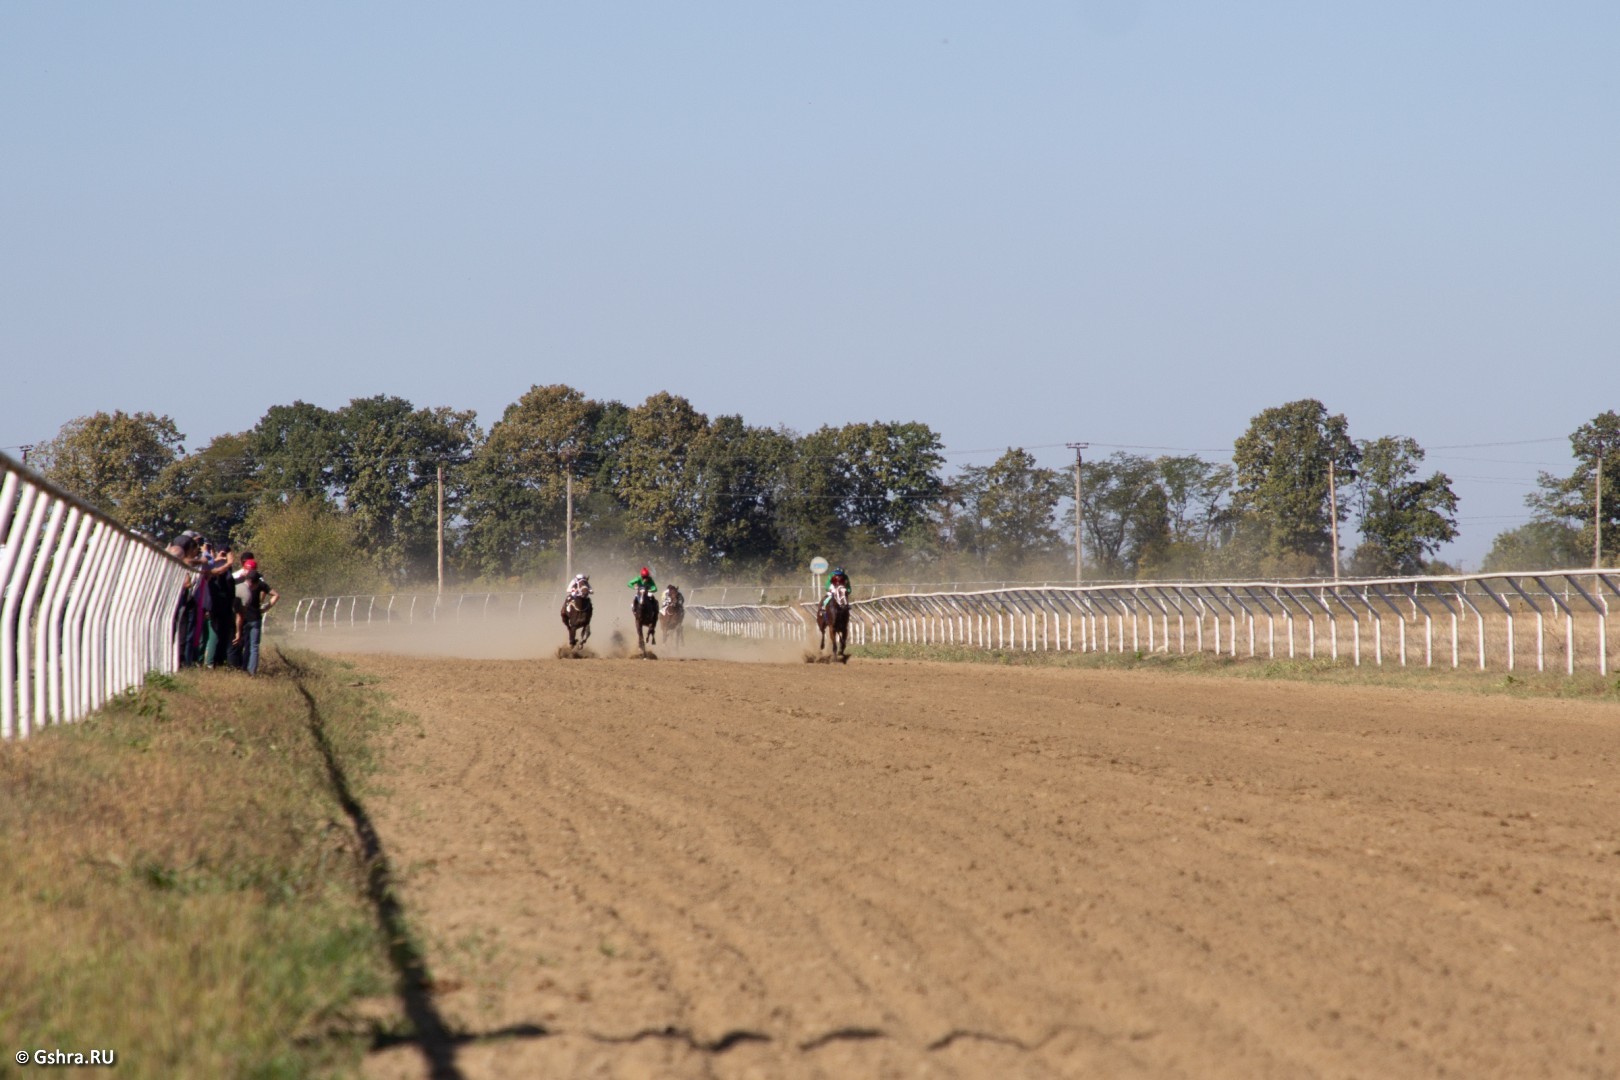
point(1582, 685)
point(182, 886)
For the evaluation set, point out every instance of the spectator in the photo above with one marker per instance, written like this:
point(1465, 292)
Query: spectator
point(197, 644)
point(185, 547)
point(254, 597)
point(222, 608)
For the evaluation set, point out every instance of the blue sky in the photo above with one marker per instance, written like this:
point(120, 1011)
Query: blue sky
point(1133, 223)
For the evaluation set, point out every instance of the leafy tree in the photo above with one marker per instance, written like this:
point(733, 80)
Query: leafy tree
point(892, 478)
point(1124, 511)
point(739, 470)
point(1196, 495)
point(294, 450)
point(1197, 518)
point(113, 461)
point(809, 519)
point(387, 475)
point(1403, 519)
point(1009, 510)
point(1282, 465)
point(659, 486)
point(858, 493)
point(516, 480)
point(307, 548)
point(1573, 498)
point(1538, 545)
point(211, 490)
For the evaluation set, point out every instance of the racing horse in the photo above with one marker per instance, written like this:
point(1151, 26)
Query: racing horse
point(834, 616)
point(672, 617)
point(576, 615)
point(645, 608)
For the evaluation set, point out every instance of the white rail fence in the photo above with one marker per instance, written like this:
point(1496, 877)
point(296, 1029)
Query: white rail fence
point(755, 621)
point(86, 606)
point(363, 609)
point(1549, 620)
point(408, 609)
point(1560, 618)
point(316, 613)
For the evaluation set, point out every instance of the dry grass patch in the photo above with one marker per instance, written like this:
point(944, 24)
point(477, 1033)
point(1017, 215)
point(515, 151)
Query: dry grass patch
point(182, 887)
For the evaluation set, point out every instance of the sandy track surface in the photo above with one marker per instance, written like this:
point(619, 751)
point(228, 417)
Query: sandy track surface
point(709, 868)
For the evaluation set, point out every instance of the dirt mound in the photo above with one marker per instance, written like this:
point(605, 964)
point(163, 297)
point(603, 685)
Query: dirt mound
point(721, 869)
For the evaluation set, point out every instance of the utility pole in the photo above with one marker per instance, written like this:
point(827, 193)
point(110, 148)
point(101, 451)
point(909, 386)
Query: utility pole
point(441, 527)
point(1079, 547)
point(1333, 515)
point(25, 448)
point(567, 453)
point(1597, 507)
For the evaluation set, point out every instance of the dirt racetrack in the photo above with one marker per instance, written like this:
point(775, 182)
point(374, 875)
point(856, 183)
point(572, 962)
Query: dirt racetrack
point(626, 868)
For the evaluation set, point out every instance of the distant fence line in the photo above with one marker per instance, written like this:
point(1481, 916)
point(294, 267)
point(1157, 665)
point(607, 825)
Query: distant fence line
point(1554, 616)
point(87, 609)
point(367, 609)
point(1481, 616)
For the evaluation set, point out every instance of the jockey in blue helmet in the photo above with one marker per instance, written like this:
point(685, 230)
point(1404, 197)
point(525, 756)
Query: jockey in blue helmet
point(838, 578)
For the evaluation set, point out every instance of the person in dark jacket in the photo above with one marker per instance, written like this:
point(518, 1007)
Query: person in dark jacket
point(254, 597)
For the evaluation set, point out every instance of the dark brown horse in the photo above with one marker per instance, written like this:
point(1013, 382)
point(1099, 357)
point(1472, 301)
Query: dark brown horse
point(576, 615)
point(672, 618)
point(645, 609)
point(834, 616)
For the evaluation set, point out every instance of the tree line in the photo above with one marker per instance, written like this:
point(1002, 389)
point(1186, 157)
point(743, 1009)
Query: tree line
point(349, 498)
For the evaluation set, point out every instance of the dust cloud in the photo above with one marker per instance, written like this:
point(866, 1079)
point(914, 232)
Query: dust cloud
point(613, 636)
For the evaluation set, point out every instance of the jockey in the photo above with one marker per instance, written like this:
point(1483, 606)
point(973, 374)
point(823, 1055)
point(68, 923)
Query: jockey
point(838, 578)
point(673, 599)
point(579, 587)
point(645, 581)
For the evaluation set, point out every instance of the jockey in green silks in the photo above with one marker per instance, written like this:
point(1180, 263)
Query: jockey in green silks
point(644, 581)
point(838, 578)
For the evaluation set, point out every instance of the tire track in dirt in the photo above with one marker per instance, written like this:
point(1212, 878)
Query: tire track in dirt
point(716, 869)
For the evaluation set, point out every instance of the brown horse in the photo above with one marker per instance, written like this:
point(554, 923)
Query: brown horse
point(834, 616)
point(576, 615)
point(645, 608)
point(672, 619)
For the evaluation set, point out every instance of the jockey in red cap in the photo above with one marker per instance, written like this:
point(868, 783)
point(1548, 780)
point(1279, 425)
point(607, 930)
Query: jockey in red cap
point(644, 581)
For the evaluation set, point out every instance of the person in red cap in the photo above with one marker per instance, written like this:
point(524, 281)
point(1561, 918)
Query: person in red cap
point(254, 597)
point(644, 581)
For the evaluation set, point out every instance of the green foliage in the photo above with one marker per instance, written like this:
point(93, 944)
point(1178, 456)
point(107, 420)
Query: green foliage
point(891, 477)
point(212, 490)
point(1197, 518)
point(1403, 519)
point(310, 549)
point(864, 490)
point(516, 481)
point(294, 450)
point(660, 485)
point(1573, 498)
point(740, 471)
point(1125, 513)
point(809, 518)
point(113, 461)
point(388, 476)
point(1008, 511)
point(1538, 545)
point(1282, 465)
